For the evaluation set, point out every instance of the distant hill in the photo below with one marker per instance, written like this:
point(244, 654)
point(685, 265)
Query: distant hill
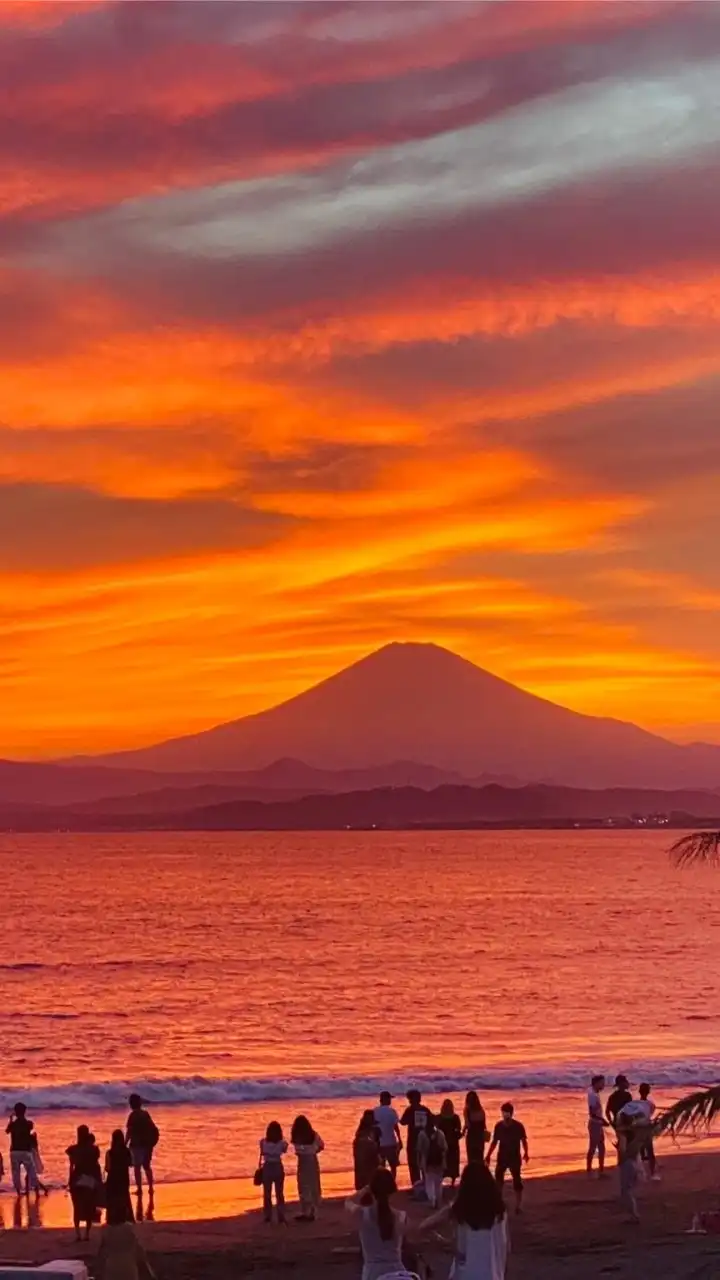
point(385, 807)
point(422, 702)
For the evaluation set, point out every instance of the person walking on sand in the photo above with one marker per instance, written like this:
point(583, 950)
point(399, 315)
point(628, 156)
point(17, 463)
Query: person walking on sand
point(142, 1136)
point(22, 1159)
point(474, 1128)
point(432, 1155)
point(388, 1123)
point(308, 1144)
point(117, 1180)
point(597, 1124)
point(380, 1226)
point(451, 1127)
point(366, 1150)
point(121, 1256)
point(414, 1119)
point(85, 1180)
point(478, 1216)
point(510, 1139)
point(647, 1154)
point(272, 1149)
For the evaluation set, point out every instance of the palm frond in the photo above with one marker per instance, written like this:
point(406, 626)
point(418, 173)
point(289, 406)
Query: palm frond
point(696, 1111)
point(700, 847)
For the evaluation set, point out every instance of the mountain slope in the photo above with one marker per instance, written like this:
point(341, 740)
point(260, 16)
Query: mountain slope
point(421, 702)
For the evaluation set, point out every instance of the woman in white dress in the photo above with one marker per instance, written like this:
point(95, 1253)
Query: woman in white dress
point(478, 1216)
point(380, 1227)
point(308, 1144)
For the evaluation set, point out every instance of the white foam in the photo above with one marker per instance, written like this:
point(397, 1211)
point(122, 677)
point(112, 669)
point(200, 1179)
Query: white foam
point(201, 1091)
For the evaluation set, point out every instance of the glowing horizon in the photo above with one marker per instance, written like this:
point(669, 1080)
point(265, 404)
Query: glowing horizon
point(327, 325)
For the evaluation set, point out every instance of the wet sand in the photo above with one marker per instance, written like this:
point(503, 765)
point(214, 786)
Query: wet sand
point(572, 1228)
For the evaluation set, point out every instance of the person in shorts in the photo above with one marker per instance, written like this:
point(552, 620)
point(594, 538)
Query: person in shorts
point(510, 1139)
point(388, 1124)
point(597, 1124)
point(141, 1135)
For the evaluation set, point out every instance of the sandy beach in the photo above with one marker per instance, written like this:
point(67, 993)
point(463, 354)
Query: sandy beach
point(571, 1228)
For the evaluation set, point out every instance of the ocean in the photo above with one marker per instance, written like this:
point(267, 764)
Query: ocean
point(233, 979)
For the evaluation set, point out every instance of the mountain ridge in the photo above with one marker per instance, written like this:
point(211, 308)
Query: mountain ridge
point(423, 702)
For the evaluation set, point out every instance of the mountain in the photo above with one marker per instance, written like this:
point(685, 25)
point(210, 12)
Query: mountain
point(422, 702)
point(389, 808)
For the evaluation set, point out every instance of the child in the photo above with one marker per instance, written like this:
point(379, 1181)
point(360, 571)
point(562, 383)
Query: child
point(432, 1153)
point(272, 1149)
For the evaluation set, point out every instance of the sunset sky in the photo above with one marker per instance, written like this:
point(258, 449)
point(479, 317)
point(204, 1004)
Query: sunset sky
point(328, 324)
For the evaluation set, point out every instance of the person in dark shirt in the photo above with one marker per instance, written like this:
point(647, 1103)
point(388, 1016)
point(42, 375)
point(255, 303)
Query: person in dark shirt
point(117, 1180)
point(414, 1118)
point(142, 1137)
point(618, 1099)
point(22, 1144)
point(510, 1139)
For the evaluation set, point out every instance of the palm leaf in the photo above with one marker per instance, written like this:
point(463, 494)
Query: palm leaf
point(696, 1111)
point(700, 847)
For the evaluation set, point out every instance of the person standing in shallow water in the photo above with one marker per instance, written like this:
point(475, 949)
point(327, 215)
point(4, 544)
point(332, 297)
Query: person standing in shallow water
point(308, 1144)
point(142, 1136)
point(117, 1180)
point(474, 1128)
point(414, 1119)
point(22, 1149)
point(388, 1124)
point(597, 1124)
point(85, 1180)
point(449, 1124)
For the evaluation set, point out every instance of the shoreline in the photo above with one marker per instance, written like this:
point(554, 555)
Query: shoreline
point(572, 1226)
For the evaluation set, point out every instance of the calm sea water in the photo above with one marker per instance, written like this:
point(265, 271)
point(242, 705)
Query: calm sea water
point(233, 979)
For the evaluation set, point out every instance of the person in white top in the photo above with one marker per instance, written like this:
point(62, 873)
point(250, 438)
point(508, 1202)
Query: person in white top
point(432, 1151)
point(381, 1228)
point(478, 1215)
point(647, 1152)
point(272, 1149)
point(388, 1123)
point(597, 1124)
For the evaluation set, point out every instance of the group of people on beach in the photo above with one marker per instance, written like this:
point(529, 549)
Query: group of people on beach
point(92, 1187)
point(631, 1120)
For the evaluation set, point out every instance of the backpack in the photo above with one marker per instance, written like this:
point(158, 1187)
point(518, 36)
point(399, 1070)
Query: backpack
point(435, 1155)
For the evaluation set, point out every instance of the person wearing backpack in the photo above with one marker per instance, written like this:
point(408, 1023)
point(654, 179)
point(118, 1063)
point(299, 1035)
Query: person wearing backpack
point(432, 1150)
point(142, 1136)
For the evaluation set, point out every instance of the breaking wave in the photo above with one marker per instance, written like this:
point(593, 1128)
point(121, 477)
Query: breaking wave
point(202, 1091)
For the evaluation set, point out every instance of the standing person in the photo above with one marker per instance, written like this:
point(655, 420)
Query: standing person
point(431, 1155)
point(451, 1127)
point(308, 1144)
point(38, 1163)
point(22, 1144)
point(85, 1180)
point(414, 1119)
point(366, 1151)
point(117, 1180)
point(142, 1136)
point(511, 1141)
point(478, 1215)
point(121, 1256)
point(388, 1123)
point(629, 1144)
point(647, 1153)
point(272, 1149)
point(381, 1227)
point(618, 1099)
point(597, 1124)
point(474, 1128)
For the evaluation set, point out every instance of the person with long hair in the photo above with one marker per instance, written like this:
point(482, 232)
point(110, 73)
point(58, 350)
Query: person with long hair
point(474, 1128)
point(366, 1150)
point(449, 1124)
point(272, 1149)
point(380, 1226)
point(478, 1216)
point(85, 1180)
point(118, 1162)
point(432, 1153)
point(308, 1144)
